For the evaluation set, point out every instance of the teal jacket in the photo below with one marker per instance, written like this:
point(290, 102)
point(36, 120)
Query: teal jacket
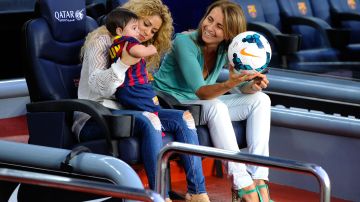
point(180, 73)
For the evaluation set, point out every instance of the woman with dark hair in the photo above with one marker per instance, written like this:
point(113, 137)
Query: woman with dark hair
point(189, 72)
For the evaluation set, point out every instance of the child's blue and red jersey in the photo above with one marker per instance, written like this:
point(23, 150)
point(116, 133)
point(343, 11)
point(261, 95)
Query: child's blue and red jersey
point(136, 92)
point(137, 73)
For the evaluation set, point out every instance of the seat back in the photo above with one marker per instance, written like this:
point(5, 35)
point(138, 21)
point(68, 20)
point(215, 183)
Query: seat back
point(302, 8)
point(52, 70)
point(272, 13)
point(321, 9)
point(253, 10)
point(187, 14)
point(340, 6)
point(260, 19)
point(111, 4)
point(52, 44)
point(254, 13)
point(95, 9)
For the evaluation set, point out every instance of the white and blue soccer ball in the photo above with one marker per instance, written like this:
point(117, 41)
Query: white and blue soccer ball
point(249, 51)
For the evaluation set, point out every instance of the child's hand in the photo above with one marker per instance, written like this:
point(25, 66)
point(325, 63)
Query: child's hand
point(152, 49)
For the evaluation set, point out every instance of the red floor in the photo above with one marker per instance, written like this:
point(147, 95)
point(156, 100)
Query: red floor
point(218, 188)
point(219, 191)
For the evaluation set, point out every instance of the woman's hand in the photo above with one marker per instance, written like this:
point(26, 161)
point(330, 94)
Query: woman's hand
point(235, 78)
point(126, 58)
point(260, 82)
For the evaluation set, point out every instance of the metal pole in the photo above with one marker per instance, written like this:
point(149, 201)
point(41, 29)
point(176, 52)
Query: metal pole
point(285, 164)
point(80, 185)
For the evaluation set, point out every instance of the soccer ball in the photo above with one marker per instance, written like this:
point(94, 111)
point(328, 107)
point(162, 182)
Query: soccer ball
point(249, 51)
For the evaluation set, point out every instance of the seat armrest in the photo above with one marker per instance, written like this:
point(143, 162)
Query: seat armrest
point(285, 43)
point(316, 23)
point(120, 125)
point(288, 43)
point(346, 16)
point(320, 25)
point(268, 30)
point(338, 38)
point(194, 109)
point(168, 101)
point(98, 112)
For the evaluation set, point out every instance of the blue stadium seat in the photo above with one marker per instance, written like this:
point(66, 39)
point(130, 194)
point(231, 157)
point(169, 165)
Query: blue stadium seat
point(320, 42)
point(111, 4)
point(187, 14)
point(52, 46)
point(282, 45)
point(95, 9)
point(298, 18)
point(342, 14)
point(347, 14)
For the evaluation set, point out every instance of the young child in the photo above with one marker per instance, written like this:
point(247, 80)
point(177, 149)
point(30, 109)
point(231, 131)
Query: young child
point(136, 92)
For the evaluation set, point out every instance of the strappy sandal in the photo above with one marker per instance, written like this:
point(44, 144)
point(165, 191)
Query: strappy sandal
point(263, 186)
point(237, 195)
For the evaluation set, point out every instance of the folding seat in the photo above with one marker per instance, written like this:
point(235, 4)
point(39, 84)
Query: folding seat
point(282, 45)
point(342, 14)
point(322, 44)
point(347, 14)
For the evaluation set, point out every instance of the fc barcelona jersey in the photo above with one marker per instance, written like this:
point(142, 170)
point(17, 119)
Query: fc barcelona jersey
point(136, 74)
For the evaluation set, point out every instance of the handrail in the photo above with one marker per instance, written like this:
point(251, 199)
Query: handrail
point(85, 163)
point(279, 163)
point(79, 185)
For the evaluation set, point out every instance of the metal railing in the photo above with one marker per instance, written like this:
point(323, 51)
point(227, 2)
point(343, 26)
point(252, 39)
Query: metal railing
point(78, 185)
point(42, 159)
point(271, 162)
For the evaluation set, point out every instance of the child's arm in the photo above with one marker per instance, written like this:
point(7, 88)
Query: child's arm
point(141, 51)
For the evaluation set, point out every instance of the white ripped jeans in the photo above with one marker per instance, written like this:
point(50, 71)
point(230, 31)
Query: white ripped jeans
point(218, 114)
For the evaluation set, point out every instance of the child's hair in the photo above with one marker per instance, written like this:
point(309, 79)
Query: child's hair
point(119, 17)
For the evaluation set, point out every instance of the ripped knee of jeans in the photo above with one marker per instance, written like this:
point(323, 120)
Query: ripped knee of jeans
point(154, 119)
point(189, 120)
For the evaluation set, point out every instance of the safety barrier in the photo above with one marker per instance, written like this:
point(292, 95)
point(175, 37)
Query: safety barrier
point(88, 164)
point(79, 185)
point(271, 162)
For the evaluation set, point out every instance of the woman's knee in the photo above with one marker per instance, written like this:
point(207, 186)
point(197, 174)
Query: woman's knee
point(149, 121)
point(263, 99)
point(216, 106)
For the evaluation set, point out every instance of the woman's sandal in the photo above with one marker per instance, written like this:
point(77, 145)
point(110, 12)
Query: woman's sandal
point(238, 194)
point(263, 186)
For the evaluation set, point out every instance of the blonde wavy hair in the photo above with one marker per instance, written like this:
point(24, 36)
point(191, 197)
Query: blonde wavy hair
point(144, 8)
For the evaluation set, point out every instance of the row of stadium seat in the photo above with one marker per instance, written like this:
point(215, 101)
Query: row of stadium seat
point(301, 40)
point(332, 51)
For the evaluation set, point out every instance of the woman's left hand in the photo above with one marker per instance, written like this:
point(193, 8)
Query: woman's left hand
point(259, 83)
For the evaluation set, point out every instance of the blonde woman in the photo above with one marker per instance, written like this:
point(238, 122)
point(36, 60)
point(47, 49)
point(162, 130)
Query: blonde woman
point(99, 80)
point(189, 73)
